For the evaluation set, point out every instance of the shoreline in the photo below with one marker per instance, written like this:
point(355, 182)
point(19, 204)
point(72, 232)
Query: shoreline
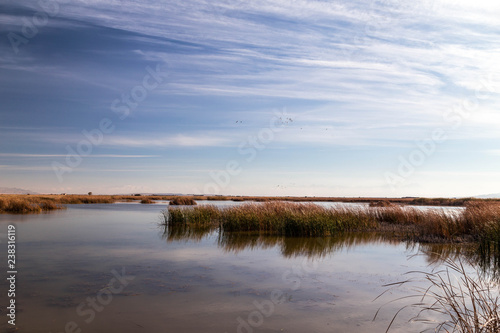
point(36, 203)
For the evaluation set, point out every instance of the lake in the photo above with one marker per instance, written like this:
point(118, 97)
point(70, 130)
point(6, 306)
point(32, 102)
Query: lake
point(115, 268)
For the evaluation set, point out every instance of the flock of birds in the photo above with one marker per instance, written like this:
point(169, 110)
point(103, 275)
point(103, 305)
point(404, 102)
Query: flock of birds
point(283, 121)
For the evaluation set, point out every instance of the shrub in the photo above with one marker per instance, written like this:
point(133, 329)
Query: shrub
point(185, 201)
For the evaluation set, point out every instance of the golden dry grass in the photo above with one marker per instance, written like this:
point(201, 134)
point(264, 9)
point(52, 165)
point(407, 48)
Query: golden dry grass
point(280, 218)
point(61, 199)
point(183, 201)
point(463, 300)
point(477, 223)
point(22, 203)
point(381, 203)
point(26, 204)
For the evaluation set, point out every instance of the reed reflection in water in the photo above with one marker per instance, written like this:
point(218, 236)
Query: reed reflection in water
point(318, 247)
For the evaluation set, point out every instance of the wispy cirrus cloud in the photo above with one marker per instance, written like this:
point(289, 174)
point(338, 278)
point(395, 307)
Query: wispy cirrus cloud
point(378, 75)
point(64, 155)
point(179, 140)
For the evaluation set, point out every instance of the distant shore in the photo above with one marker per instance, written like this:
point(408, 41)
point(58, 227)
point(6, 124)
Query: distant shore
point(26, 203)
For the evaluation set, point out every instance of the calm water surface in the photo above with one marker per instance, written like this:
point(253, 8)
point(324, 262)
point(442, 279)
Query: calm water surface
point(186, 281)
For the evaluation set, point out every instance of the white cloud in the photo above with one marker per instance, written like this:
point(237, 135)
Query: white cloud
point(63, 155)
point(178, 140)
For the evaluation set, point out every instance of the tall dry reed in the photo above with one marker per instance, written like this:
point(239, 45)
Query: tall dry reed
point(464, 301)
point(477, 223)
point(183, 201)
point(279, 218)
point(26, 205)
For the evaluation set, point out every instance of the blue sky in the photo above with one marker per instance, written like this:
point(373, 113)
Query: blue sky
point(306, 98)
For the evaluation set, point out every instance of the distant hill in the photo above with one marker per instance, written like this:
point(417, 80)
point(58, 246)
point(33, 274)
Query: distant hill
point(488, 196)
point(13, 190)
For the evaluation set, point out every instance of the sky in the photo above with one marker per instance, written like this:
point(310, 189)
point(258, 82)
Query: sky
point(303, 98)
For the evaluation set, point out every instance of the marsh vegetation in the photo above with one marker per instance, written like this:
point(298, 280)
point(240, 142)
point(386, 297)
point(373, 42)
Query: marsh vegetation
point(478, 222)
point(183, 201)
point(25, 204)
point(459, 293)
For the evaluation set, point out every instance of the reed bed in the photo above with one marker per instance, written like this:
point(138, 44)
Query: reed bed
point(84, 199)
point(26, 205)
point(295, 219)
point(217, 197)
point(478, 223)
point(183, 201)
point(428, 225)
point(199, 216)
point(277, 218)
point(484, 220)
point(441, 201)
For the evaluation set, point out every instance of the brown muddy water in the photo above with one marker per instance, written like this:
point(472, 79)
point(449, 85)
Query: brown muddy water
point(114, 268)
